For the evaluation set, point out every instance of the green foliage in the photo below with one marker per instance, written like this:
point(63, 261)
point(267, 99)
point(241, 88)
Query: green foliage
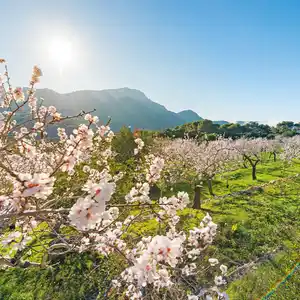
point(123, 144)
point(233, 130)
point(288, 128)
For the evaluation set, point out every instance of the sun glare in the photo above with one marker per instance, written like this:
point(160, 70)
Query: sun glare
point(61, 51)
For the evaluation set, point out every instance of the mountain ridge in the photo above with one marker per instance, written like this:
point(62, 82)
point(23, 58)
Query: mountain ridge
point(126, 107)
point(189, 115)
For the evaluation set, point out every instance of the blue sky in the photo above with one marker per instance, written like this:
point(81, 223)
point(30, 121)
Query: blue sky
point(232, 60)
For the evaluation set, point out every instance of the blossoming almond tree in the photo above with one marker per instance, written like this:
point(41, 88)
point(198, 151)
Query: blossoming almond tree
point(251, 151)
point(186, 158)
point(274, 147)
point(215, 158)
point(49, 185)
point(290, 149)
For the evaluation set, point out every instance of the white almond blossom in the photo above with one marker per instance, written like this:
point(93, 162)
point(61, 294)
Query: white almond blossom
point(213, 261)
point(38, 185)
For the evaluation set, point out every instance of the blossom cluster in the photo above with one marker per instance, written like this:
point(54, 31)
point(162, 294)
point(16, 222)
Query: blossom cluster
point(161, 260)
point(291, 148)
point(140, 145)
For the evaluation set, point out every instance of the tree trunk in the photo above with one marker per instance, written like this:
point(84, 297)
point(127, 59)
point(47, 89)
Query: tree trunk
point(275, 156)
point(244, 163)
point(197, 197)
point(227, 183)
point(253, 164)
point(210, 189)
point(155, 192)
point(254, 171)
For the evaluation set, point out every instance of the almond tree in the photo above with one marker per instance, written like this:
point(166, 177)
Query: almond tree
point(251, 150)
point(194, 162)
point(180, 157)
point(275, 146)
point(48, 186)
point(291, 148)
point(215, 159)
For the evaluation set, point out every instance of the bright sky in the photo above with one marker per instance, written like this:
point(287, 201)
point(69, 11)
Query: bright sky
point(232, 60)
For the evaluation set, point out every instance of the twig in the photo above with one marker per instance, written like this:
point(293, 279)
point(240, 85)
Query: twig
point(27, 213)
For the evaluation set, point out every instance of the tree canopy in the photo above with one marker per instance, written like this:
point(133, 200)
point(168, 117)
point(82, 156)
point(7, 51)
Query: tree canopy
point(209, 130)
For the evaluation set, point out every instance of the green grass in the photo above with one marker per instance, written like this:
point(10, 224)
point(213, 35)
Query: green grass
point(264, 282)
point(288, 289)
point(74, 277)
point(241, 179)
point(250, 226)
point(256, 224)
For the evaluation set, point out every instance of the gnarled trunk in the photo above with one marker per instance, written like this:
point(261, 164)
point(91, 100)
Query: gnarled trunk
point(197, 197)
point(253, 163)
point(254, 170)
point(210, 189)
point(273, 154)
point(245, 163)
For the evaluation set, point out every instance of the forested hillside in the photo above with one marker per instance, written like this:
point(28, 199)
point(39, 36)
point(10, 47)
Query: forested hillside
point(233, 130)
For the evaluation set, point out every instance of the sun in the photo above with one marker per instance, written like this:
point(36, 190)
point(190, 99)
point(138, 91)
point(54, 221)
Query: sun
point(61, 51)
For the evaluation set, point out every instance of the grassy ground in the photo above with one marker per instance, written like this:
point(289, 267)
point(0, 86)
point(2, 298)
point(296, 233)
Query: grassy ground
point(73, 277)
point(241, 179)
point(265, 282)
point(288, 289)
point(255, 225)
point(266, 172)
point(260, 224)
point(251, 226)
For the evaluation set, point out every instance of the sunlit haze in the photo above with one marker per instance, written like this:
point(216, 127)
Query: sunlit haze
point(61, 52)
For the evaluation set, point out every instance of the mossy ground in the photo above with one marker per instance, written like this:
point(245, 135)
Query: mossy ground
point(250, 226)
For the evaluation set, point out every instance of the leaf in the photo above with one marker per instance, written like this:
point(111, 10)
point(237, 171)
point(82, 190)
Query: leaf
point(234, 227)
